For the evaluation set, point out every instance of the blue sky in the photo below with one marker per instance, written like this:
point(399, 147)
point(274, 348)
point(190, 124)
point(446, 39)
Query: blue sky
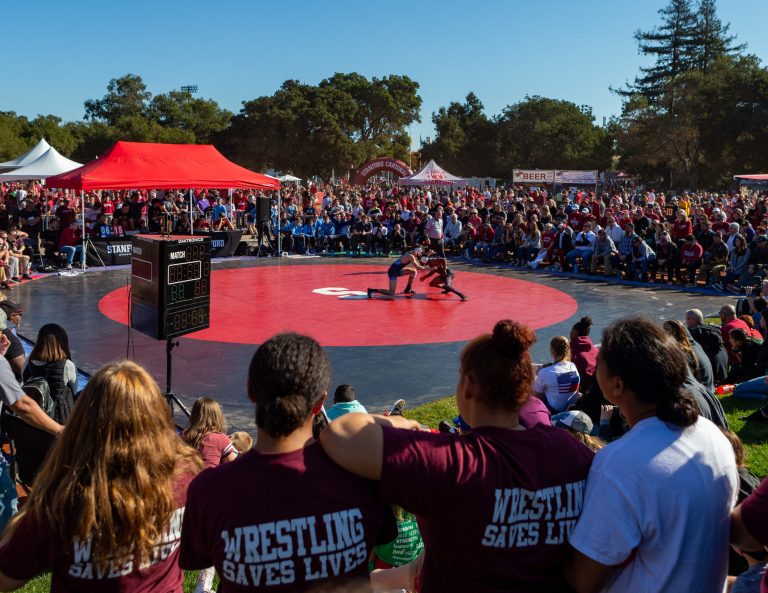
point(62, 53)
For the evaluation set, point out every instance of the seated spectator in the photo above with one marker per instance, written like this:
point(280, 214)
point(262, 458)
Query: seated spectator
point(206, 433)
point(729, 321)
point(70, 243)
point(643, 530)
point(482, 473)
point(583, 247)
point(736, 270)
point(105, 513)
point(345, 402)
point(714, 261)
point(746, 351)
point(605, 251)
point(753, 331)
point(698, 362)
point(691, 254)
point(309, 498)
point(242, 441)
point(666, 259)
point(579, 426)
point(642, 257)
point(51, 359)
point(557, 384)
point(710, 339)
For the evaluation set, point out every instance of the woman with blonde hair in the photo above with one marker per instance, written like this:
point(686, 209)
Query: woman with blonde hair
point(557, 384)
point(206, 433)
point(106, 510)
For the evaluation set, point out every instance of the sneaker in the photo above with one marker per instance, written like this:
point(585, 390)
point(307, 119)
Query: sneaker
point(26, 277)
point(16, 279)
point(464, 298)
point(370, 293)
point(718, 287)
point(409, 291)
point(6, 286)
point(397, 408)
point(733, 289)
point(69, 266)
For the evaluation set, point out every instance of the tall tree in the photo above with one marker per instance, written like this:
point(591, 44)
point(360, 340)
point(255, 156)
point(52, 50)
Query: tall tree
point(711, 39)
point(333, 126)
point(671, 46)
point(181, 111)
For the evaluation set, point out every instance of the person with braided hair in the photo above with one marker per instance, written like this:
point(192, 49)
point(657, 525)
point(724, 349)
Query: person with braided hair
point(658, 499)
point(304, 522)
point(496, 503)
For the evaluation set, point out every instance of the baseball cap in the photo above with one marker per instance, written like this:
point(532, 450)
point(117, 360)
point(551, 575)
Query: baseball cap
point(576, 420)
point(9, 306)
point(585, 210)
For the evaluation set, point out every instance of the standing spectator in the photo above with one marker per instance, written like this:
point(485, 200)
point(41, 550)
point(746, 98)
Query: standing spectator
point(493, 473)
point(663, 526)
point(309, 499)
point(106, 510)
point(434, 231)
point(584, 352)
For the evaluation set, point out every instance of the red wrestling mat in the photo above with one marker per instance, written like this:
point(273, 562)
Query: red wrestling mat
point(329, 302)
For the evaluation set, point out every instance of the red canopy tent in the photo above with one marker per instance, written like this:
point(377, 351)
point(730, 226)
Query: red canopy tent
point(143, 165)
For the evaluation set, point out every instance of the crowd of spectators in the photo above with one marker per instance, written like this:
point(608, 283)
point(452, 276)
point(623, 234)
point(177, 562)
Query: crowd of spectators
point(709, 240)
point(529, 488)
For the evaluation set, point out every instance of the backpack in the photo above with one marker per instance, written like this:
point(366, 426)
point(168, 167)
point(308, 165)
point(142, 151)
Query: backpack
point(38, 389)
point(45, 385)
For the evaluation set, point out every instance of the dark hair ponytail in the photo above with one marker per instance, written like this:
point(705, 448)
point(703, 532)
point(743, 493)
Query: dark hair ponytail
point(681, 410)
point(582, 326)
point(288, 376)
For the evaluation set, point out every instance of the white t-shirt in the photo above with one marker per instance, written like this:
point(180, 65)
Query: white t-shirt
point(661, 496)
point(558, 382)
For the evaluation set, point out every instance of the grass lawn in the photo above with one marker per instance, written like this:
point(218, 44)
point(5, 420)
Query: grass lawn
point(755, 437)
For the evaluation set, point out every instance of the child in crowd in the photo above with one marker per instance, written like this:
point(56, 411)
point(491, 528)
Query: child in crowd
point(242, 441)
point(206, 434)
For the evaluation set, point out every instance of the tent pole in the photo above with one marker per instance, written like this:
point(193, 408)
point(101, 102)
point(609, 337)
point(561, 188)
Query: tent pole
point(82, 234)
point(191, 214)
point(279, 208)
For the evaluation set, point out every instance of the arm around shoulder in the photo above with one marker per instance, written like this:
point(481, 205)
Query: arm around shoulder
point(356, 442)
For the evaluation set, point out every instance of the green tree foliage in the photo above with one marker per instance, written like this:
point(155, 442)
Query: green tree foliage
point(126, 96)
point(698, 115)
point(671, 45)
point(18, 134)
point(336, 125)
point(465, 143)
point(181, 111)
point(535, 133)
point(551, 134)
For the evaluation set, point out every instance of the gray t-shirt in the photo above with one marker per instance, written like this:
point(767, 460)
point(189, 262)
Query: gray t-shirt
point(10, 390)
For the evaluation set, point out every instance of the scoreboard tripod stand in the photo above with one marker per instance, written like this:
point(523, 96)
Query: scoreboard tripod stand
point(170, 292)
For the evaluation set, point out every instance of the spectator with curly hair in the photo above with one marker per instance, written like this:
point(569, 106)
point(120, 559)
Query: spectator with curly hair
point(305, 521)
point(510, 483)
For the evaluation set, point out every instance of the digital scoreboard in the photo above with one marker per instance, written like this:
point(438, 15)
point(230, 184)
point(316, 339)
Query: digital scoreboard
point(170, 284)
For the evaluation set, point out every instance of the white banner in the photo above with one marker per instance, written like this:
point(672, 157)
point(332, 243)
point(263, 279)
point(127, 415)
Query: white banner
point(533, 176)
point(576, 177)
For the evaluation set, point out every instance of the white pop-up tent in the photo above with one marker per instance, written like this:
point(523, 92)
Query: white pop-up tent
point(289, 178)
point(49, 164)
point(39, 149)
point(432, 174)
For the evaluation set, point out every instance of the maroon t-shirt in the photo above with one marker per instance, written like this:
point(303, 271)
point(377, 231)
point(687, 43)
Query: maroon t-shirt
point(283, 523)
point(754, 514)
point(214, 447)
point(496, 505)
point(33, 548)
